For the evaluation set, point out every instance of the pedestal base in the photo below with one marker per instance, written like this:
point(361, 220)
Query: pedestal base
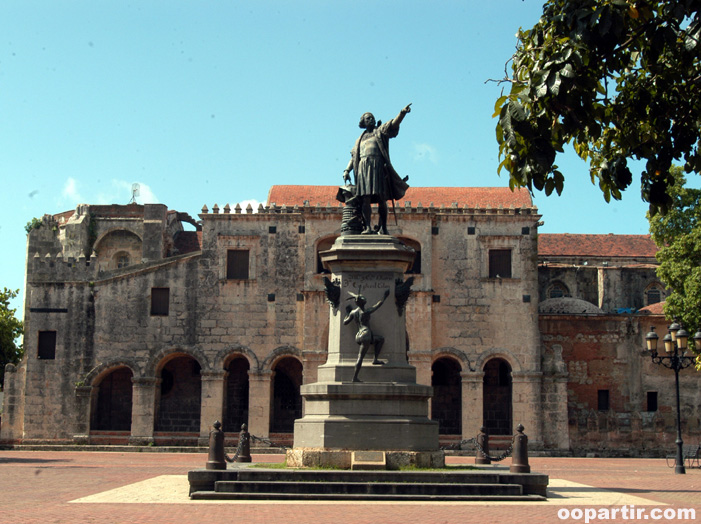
point(342, 459)
point(366, 416)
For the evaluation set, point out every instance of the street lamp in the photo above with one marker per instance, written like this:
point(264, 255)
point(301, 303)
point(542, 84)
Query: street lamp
point(675, 346)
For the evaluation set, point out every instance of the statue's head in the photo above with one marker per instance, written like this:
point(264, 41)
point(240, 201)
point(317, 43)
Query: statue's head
point(359, 299)
point(367, 120)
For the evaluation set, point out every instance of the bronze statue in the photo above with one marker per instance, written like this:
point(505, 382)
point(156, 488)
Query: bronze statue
point(376, 181)
point(364, 337)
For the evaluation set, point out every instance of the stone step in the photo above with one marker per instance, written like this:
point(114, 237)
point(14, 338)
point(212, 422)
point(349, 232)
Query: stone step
point(424, 477)
point(369, 488)
point(214, 495)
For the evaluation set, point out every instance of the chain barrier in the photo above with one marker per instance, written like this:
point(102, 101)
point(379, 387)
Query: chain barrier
point(268, 442)
point(238, 449)
point(473, 440)
point(246, 437)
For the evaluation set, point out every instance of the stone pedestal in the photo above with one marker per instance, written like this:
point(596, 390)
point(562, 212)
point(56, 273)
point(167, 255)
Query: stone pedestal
point(388, 410)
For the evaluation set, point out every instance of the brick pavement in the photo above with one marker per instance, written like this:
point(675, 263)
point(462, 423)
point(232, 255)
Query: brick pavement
point(38, 487)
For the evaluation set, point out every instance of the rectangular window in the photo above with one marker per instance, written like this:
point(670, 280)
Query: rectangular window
point(47, 345)
point(652, 400)
point(237, 264)
point(603, 400)
point(160, 299)
point(499, 263)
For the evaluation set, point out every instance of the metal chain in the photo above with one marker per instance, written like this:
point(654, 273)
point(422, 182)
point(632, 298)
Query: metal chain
point(238, 449)
point(268, 442)
point(473, 440)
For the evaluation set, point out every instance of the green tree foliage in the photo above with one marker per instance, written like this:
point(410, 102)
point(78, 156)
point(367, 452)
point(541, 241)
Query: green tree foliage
point(678, 235)
point(34, 223)
point(10, 329)
point(617, 79)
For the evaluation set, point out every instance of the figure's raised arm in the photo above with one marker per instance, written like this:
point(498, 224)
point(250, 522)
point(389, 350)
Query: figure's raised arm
point(402, 114)
point(377, 306)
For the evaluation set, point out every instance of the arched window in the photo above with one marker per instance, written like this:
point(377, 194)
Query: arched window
point(497, 397)
point(446, 404)
point(121, 259)
point(236, 395)
point(113, 405)
point(287, 401)
point(558, 290)
point(180, 396)
point(654, 293)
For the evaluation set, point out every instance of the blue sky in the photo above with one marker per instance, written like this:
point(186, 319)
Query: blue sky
point(204, 102)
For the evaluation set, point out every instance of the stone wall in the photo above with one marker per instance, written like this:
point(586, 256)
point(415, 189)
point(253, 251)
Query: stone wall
point(605, 354)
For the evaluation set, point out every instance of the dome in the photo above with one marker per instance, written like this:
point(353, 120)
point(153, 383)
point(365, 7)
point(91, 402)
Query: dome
point(568, 306)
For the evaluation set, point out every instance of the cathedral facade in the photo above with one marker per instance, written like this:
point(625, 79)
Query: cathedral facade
point(144, 325)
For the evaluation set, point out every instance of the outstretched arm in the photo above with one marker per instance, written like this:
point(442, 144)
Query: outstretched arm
point(374, 308)
point(402, 114)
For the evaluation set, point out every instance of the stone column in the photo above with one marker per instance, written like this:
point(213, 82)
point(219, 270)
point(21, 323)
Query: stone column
point(212, 402)
point(472, 402)
point(83, 404)
point(421, 360)
point(556, 434)
point(527, 405)
point(259, 402)
point(143, 410)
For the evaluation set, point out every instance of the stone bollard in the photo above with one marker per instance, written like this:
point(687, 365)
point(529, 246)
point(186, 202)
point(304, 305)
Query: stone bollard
point(482, 447)
point(519, 462)
point(244, 447)
point(216, 459)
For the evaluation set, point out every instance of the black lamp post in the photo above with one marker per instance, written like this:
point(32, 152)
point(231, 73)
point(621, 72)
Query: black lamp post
point(675, 346)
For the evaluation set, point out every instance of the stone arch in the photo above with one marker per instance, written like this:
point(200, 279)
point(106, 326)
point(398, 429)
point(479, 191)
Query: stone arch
point(180, 393)
point(455, 353)
point(236, 391)
point(504, 354)
point(497, 396)
point(93, 377)
point(278, 353)
point(286, 399)
point(113, 230)
point(111, 397)
point(117, 243)
point(162, 357)
point(446, 403)
point(227, 354)
point(557, 289)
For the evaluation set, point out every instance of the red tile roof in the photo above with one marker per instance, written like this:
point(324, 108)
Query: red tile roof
point(653, 309)
point(596, 245)
point(492, 197)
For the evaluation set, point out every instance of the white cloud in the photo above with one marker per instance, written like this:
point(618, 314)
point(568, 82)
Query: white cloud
point(70, 192)
point(425, 152)
point(244, 205)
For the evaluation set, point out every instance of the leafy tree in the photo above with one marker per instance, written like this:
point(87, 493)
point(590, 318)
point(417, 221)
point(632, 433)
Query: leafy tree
point(10, 330)
point(678, 235)
point(617, 79)
point(34, 223)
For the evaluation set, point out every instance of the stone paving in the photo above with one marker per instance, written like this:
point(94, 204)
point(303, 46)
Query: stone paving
point(148, 488)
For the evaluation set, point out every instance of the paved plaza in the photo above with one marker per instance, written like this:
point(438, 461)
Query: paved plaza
point(148, 488)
